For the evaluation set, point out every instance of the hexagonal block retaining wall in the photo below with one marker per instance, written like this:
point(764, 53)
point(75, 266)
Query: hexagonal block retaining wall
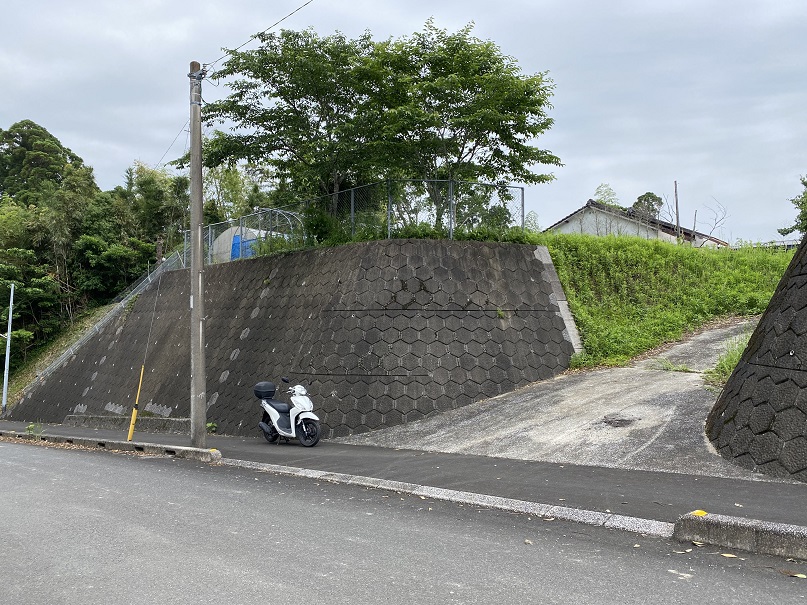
point(760, 418)
point(383, 332)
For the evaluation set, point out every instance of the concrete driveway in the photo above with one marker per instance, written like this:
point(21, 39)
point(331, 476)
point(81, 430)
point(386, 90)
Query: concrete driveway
point(641, 417)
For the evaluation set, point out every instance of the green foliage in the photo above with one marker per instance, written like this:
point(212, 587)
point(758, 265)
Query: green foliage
point(800, 202)
point(31, 159)
point(629, 295)
point(668, 366)
point(728, 360)
point(34, 428)
point(605, 195)
point(326, 113)
point(648, 204)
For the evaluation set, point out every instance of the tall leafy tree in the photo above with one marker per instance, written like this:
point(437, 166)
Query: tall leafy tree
point(296, 105)
point(606, 195)
point(800, 202)
point(31, 158)
point(329, 112)
point(648, 205)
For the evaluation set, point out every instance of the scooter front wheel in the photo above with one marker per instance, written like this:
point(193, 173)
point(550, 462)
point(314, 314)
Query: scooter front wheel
point(308, 432)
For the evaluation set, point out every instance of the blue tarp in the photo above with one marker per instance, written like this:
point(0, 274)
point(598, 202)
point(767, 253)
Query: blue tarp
point(248, 250)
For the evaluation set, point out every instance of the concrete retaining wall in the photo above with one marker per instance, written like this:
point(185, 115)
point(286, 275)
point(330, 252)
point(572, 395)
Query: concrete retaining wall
point(760, 418)
point(383, 332)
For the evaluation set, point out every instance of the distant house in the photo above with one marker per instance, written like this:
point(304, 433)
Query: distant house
point(596, 218)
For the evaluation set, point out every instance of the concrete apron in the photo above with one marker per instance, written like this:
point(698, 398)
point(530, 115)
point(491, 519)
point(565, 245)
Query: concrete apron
point(641, 417)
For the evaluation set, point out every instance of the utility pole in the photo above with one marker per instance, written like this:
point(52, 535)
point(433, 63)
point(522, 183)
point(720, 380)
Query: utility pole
point(677, 216)
point(8, 348)
point(197, 302)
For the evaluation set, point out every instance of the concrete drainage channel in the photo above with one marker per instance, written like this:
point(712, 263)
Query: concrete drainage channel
point(731, 532)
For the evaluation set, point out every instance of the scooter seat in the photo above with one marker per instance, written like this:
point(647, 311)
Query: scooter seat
point(280, 406)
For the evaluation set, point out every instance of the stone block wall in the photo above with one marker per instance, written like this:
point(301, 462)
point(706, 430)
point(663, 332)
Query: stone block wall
point(382, 333)
point(760, 418)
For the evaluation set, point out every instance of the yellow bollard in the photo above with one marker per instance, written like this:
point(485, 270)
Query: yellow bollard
point(137, 400)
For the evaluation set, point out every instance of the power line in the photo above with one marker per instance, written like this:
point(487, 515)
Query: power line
point(251, 38)
point(172, 143)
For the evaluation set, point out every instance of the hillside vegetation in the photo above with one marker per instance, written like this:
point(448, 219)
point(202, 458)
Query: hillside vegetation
point(629, 295)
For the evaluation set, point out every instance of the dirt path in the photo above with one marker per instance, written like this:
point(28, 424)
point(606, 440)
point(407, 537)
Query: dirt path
point(639, 417)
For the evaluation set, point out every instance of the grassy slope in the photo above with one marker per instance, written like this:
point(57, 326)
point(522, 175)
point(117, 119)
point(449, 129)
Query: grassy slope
point(629, 295)
point(42, 357)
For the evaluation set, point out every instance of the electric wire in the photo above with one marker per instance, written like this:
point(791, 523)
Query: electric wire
point(184, 128)
point(251, 38)
point(153, 312)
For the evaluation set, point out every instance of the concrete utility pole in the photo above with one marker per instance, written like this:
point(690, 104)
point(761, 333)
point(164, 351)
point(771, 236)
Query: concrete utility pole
point(677, 216)
point(198, 373)
point(8, 348)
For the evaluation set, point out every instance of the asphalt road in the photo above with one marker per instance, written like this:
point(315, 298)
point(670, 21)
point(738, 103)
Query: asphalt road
point(83, 527)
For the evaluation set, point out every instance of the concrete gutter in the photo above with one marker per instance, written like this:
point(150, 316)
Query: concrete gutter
point(743, 534)
point(190, 453)
point(750, 535)
point(564, 513)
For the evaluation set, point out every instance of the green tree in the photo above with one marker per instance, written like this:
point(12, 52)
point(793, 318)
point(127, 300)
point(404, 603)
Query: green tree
point(800, 202)
point(605, 195)
point(161, 202)
point(31, 158)
point(455, 107)
point(327, 113)
point(296, 103)
point(648, 205)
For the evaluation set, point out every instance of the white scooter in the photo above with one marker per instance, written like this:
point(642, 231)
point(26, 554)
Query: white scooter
point(288, 421)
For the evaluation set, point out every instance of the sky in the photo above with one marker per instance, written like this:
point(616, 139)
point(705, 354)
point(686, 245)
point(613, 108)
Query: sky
point(710, 94)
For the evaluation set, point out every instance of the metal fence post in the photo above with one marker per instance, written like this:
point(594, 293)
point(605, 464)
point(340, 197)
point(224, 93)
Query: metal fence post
point(450, 208)
point(210, 244)
point(389, 209)
point(353, 212)
point(522, 208)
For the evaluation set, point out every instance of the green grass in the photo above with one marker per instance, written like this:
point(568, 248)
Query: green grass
point(630, 295)
point(728, 360)
point(42, 357)
point(668, 366)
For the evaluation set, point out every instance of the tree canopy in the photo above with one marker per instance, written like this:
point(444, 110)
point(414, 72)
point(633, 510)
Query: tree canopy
point(328, 112)
point(800, 202)
point(66, 245)
point(648, 204)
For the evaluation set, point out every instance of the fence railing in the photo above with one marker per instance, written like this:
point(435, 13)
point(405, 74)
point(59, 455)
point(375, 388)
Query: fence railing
point(378, 210)
point(174, 261)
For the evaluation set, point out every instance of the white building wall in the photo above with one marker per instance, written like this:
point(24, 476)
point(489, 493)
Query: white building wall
point(594, 221)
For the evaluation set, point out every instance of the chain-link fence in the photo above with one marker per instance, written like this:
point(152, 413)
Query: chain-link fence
point(264, 231)
point(386, 209)
point(446, 206)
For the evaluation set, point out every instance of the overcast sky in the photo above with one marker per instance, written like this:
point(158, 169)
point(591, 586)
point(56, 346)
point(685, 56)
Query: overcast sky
point(708, 93)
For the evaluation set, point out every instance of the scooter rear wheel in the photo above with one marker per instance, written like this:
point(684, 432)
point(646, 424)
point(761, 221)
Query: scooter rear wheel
point(308, 432)
point(272, 435)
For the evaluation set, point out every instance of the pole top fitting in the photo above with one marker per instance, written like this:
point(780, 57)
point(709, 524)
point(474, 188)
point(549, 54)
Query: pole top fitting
point(197, 72)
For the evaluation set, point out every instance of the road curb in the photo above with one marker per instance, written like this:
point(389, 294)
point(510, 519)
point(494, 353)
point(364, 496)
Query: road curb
point(189, 453)
point(752, 535)
point(564, 513)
